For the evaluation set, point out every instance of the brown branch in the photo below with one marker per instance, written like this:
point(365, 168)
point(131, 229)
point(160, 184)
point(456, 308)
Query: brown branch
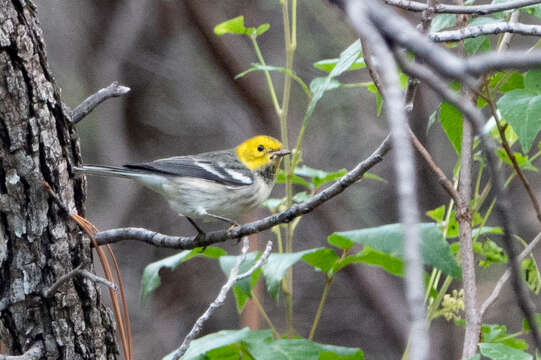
point(90, 103)
point(442, 178)
point(190, 242)
point(475, 10)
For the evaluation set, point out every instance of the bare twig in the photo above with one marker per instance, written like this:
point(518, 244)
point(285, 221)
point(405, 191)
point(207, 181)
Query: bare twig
point(90, 103)
point(220, 299)
point(487, 29)
point(503, 279)
point(78, 271)
point(188, 242)
point(442, 178)
point(502, 204)
point(474, 10)
point(506, 39)
point(489, 62)
point(405, 170)
point(34, 353)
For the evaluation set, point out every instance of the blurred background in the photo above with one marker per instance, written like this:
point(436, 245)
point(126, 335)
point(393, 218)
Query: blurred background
point(184, 100)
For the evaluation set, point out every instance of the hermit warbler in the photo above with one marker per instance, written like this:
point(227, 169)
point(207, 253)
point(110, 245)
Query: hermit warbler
point(213, 185)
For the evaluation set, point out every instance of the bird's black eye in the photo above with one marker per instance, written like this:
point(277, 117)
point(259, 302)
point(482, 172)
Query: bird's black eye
point(260, 148)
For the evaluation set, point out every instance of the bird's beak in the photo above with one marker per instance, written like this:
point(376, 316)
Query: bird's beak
point(280, 153)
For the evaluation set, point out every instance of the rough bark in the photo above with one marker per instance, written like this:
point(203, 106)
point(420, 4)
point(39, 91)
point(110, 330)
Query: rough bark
point(38, 244)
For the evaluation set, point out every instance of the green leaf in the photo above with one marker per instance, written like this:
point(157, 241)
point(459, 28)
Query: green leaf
point(502, 352)
point(480, 43)
point(319, 177)
point(368, 175)
point(346, 59)
point(379, 99)
point(275, 269)
point(522, 161)
point(232, 26)
point(497, 334)
point(490, 252)
point(437, 214)
point(319, 83)
point(451, 122)
point(475, 357)
point(328, 65)
point(534, 10)
point(340, 242)
point(151, 274)
point(530, 275)
point(262, 29)
point(295, 179)
point(522, 109)
point(532, 81)
point(390, 239)
point(201, 346)
point(392, 264)
point(323, 260)
point(442, 21)
point(242, 288)
point(273, 204)
point(302, 197)
point(526, 324)
point(515, 81)
point(289, 349)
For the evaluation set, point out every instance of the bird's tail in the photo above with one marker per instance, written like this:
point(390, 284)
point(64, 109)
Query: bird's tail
point(110, 171)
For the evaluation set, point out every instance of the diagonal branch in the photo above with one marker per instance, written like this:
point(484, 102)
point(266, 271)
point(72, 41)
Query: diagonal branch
point(405, 170)
point(90, 103)
point(487, 29)
point(189, 242)
point(474, 10)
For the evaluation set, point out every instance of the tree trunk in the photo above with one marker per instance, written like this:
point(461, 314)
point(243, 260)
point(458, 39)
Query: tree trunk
point(38, 243)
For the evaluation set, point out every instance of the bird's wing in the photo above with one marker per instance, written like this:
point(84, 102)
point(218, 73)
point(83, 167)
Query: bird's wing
point(221, 167)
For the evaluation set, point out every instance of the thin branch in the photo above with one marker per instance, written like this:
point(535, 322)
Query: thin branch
point(189, 242)
point(34, 353)
point(503, 279)
point(487, 29)
point(405, 171)
point(220, 299)
point(489, 62)
point(442, 178)
point(90, 103)
point(507, 37)
point(502, 204)
point(474, 10)
point(78, 271)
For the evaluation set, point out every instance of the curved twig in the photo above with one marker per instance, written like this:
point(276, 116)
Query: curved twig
point(90, 103)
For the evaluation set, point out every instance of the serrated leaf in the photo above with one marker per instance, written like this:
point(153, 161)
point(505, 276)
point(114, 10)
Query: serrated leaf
point(502, 352)
point(389, 239)
point(328, 65)
point(276, 266)
point(522, 109)
point(201, 346)
point(150, 280)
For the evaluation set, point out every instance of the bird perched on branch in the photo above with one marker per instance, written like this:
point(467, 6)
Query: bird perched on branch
point(214, 185)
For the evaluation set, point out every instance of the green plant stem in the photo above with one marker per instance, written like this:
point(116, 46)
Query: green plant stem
point(433, 308)
point(320, 307)
point(261, 310)
point(267, 76)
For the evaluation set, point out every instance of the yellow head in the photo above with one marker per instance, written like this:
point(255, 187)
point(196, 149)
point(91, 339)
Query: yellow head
point(260, 150)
